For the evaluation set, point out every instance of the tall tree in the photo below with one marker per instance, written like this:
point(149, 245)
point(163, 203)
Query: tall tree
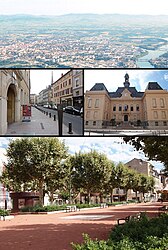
point(34, 160)
point(91, 171)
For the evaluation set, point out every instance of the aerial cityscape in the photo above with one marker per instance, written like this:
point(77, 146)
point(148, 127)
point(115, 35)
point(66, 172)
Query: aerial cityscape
point(84, 40)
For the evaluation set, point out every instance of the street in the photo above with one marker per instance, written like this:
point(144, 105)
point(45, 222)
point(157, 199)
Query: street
point(42, 124)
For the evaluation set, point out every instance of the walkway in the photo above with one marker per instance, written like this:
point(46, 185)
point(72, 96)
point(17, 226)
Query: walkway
point(40, 124)
point(57, 231)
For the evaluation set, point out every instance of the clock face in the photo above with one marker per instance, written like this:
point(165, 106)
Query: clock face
point(126, 94)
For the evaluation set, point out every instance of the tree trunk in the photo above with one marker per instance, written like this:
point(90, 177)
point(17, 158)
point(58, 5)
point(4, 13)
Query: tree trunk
point(41, 192)
point(111, 197)
point(88, 194)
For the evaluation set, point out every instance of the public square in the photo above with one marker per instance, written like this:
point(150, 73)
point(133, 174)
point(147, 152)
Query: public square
point(57, 231)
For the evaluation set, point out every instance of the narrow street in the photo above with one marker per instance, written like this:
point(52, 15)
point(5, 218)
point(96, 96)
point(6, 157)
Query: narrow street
point(42, 124)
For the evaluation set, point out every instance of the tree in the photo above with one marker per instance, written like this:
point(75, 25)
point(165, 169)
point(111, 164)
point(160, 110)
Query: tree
point(112, 183)
point(146, 184)
point(91, 171)
point(155, 148)
point(34, 160)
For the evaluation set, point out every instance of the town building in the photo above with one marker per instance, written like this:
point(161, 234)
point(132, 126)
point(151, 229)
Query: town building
point(68, 89)
point(126, 108)
point(14, 92)
point(33, 99)
point(45, 95)
point(77, 88)
point(146, 168)
point(62, 90)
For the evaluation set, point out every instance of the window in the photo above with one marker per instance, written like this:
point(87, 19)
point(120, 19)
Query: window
point(132, 108)
point(86, 123)
point(164, 123)
point(137, 108)
point(89, 103)
point(94, 123)
point(69, 81)
point(155, 114)
point(114, 108)
point(162, 103)
point(77, 82)
point(154, 103)
point(163, 114)
point(125, 107)
point(97, 103)
point(77, 92)
point(156, 124)
point(120, 108)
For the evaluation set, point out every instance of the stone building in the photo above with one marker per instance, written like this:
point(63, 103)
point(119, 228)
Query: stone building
point(77, 88)
point(127, 107)
point(14, 92)
point(62, 90)
point(33, 99)
point(144, 167)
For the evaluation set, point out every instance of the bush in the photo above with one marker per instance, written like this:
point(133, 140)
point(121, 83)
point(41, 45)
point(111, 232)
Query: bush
point(4, 212)
point(39, 208)
point(146, 234)
point(87, 205)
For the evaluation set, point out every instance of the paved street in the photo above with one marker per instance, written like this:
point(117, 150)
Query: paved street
point(42, 124)
point(57, 231)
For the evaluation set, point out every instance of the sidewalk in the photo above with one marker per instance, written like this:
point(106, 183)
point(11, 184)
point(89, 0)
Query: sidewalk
point(57, 231)
point(40, 124)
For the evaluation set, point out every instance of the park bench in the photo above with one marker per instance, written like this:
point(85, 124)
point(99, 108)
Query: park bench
point(163, 209)
point(103, 205)
point(121, 221)
point(72, 208)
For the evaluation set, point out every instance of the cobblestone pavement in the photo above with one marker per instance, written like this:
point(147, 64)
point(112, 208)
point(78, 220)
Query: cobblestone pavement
point(57, 231)
point(40, 124)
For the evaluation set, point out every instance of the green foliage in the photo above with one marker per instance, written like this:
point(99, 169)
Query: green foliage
point(39, 208)
point(35, 162)
point(89, 244)
point(87, 205)
point(146, 234)
point(4, 212)
point(91, 171)
point(151, 146)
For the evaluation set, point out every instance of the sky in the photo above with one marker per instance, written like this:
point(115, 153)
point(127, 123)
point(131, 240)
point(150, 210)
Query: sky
point(115, 78)
point(59, 7)
point(40, 79)
point(114, 147)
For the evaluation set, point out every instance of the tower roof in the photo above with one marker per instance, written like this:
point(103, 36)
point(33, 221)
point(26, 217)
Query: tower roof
point(153, 86)
point(98, 87)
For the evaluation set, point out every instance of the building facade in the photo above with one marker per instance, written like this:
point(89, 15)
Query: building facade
point(14, 92)
point(62, 90)
point(77, 88)
point(144, 167)
point(127, 107)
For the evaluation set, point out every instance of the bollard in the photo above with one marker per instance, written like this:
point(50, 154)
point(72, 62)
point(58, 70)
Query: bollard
point(54, 117)
point(50, 115)
point(60, 119)
point(46, 113)
point(70, 128)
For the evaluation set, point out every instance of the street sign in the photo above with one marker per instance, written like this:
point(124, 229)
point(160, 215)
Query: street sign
point(26, 112)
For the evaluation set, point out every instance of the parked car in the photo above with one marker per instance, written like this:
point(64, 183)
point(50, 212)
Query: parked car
point(81, 112)
point(54, 107)
point(71, 110)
